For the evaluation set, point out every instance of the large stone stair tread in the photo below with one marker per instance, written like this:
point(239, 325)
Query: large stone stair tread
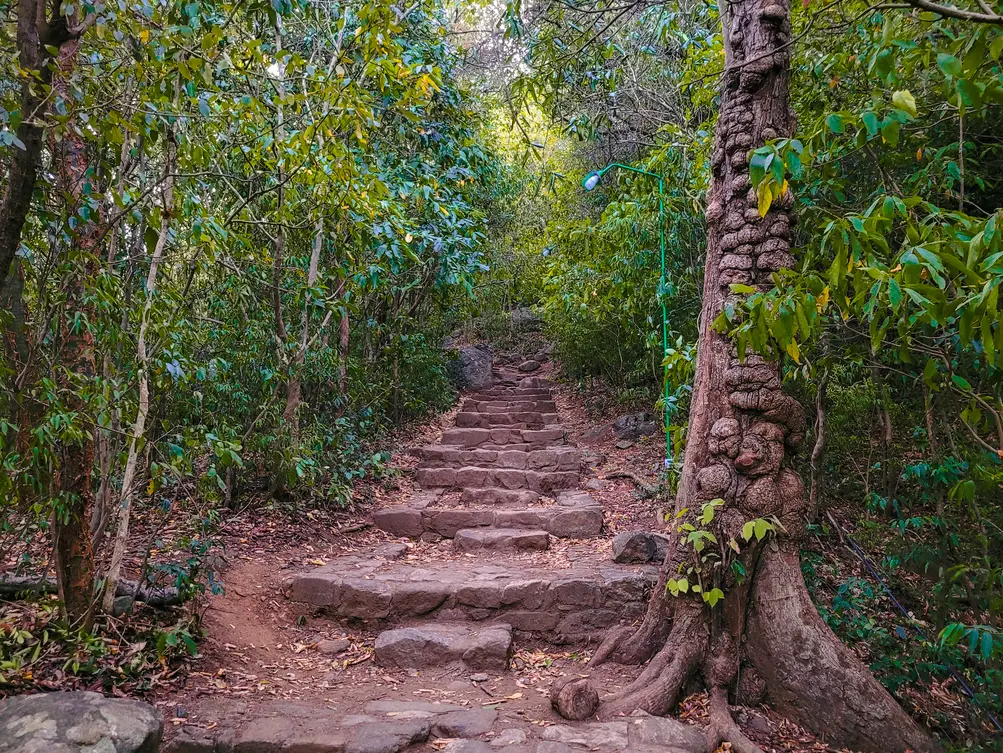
point(438, 644)
point(507, 406)
point(575, 515)
point(592, 594)
point(513, 420)
point(283, 725)
point(502, 478)
point(500, 540)
point(494, 497)
point(549, 459)
point(475, 437)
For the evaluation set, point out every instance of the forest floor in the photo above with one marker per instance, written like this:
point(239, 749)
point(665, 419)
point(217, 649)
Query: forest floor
point(262, 649)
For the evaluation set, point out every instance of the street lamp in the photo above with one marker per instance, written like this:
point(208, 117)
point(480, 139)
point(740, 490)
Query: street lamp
point(589, 182)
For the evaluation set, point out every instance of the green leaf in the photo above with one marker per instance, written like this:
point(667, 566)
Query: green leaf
point(762, 528)
point(904, 100)
point(713, 596)
point(961, 382)
point(949, 64)
point(748, 530)
point(835, 123)
point(970, 93)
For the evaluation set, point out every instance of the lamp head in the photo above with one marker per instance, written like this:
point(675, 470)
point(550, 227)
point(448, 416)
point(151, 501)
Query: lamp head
point(591, 180)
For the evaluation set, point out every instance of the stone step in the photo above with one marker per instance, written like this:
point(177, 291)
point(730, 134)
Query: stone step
point(535, 438)
point(502, 478)
point(436, 645)
point(290, 726)
point(508, 406)
point(500, 540)
point(513, 420)
point(555, 459)
point(576, 515)
point(507, 393)
point(491, 497)
point(556, 603)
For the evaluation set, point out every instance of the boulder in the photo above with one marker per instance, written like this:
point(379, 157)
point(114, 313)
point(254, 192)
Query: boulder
point(634, 426)
point(639, 547)
point(78, 722)
point(472, 368)
point(528, 366)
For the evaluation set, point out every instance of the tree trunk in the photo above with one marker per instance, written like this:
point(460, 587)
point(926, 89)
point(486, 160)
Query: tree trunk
point(143, 409)
point(74, 554)
point(294, 391)
point(742, 431)
point(34, 34)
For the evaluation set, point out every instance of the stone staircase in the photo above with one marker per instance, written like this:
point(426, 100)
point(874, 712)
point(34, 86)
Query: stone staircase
point(501, 485)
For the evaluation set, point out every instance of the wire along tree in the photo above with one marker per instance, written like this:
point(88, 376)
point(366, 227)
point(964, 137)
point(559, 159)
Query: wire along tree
point(731, 605)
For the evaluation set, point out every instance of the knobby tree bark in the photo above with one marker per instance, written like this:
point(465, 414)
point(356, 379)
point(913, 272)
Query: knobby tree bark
point(765, 640)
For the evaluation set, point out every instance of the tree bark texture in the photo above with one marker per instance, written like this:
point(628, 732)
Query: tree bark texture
point(34, 33)
point(74, 553)
point(766, 639)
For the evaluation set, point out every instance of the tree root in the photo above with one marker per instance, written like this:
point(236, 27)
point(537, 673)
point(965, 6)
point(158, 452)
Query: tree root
point(627, 645)
point(647, 490)
point(723, 727)
point(656, 690)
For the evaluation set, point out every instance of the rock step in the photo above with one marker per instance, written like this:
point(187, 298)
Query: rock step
point(514, 420)
point(490, 497)
point(437, 645)
point(508, 405)
point(474, 437)
point(558, 604)
point(300, 727)
point(450, 456)
point(511, 393)
point(502, 478)
point(575, 516)
point(500, 540)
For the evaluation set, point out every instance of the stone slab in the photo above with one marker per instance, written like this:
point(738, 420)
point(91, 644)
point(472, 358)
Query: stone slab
point(565, 603)
point(436, 645)
point(500, 540)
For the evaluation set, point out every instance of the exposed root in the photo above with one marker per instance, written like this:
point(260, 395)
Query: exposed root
point(625, 645)
point(573, 698)
point(724, 729)
point(646, 490)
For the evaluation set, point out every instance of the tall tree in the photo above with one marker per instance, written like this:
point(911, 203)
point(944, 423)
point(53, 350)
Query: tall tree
point(731, 604)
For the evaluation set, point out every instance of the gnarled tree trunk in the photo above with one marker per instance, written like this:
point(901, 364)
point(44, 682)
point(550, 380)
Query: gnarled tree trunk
point(765, 640)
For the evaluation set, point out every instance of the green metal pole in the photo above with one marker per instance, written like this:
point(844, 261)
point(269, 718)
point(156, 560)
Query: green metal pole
point(665, 320)
point(588, 183)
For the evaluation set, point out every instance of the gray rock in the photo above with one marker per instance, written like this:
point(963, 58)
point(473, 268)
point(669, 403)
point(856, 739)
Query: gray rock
point(633, 547)
point(466, 746)
point(634, 426)
point(479, 677)
point(511, 736)
point(334, 647)
point(472, 368)
point(289, 732)
point(466, 724)
point(387, 737)
point(78, 722)
point(529, 366)
point(436, 645)
point(594, 736)
point(594, 484)
point(664, 732)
